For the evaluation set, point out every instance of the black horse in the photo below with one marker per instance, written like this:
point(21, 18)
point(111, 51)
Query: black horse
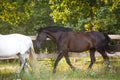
point(69, 41)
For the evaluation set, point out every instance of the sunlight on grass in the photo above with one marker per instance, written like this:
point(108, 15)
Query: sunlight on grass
point(64, 72)
point(8, 68)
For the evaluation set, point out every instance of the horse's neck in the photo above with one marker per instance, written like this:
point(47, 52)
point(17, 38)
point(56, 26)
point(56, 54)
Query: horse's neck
point(54, 36)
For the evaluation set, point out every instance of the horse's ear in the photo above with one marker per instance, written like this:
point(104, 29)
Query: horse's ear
point(37, 30)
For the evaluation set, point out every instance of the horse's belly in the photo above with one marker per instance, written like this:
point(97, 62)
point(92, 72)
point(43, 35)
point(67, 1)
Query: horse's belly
point(78, 48)
point(9, 49)
point(8, 52)
point(14, 44)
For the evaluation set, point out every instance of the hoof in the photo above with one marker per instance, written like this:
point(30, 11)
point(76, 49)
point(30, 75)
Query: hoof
point(73, 68)
point(54, 71)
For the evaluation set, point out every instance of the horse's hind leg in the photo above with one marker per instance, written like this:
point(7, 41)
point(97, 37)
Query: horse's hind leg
point(56, 62)
point(105, 57)
point(23, 61)
point(26, 67)
point(92, 57)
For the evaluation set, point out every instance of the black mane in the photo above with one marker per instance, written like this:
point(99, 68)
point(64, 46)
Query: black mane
point(55, 29)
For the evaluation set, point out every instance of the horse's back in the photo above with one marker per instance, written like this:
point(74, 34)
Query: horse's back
point(101, 39)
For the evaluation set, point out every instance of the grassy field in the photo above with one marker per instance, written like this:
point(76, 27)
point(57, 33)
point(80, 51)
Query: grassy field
point(98, 72)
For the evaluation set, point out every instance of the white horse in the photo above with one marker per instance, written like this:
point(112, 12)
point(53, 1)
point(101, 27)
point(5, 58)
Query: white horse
point(18, 44)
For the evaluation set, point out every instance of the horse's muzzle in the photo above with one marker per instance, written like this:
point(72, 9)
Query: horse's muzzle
point(38, 44)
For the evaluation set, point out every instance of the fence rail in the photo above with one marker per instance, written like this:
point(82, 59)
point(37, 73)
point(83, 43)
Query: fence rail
point(42, 56)
point(115, 37)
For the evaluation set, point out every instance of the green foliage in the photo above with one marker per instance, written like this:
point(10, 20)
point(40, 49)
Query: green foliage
point(15, 12)
point(90, 15)
point(48, 47)
point(35, 14)
point(107, 21)
point(41, 16)
point(25, 16)
point(116, 4)
point(66, 10)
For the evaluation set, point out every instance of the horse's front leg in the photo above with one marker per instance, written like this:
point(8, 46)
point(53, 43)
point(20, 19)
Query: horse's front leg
point(65, 53)
point(92, 57)
point(59, 57)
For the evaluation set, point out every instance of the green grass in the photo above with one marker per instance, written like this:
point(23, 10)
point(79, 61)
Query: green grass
point(98, 72)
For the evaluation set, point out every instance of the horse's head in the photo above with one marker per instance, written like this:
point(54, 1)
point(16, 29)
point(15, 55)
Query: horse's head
point(40, 37)
point(52, 32)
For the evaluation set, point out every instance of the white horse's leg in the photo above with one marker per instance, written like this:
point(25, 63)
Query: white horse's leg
point(22, 60)
point(26, 67)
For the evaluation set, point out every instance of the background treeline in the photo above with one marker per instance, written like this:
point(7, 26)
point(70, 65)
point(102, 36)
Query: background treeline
point(25, 16)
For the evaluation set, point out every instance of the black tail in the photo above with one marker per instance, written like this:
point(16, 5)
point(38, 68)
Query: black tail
point(108, 48)
point(107, 38)
point(111, 49)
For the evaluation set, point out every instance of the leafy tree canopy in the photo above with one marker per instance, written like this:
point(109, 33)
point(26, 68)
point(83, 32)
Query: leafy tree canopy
point(16, 11)
point(93, 13)
point(24, 16)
